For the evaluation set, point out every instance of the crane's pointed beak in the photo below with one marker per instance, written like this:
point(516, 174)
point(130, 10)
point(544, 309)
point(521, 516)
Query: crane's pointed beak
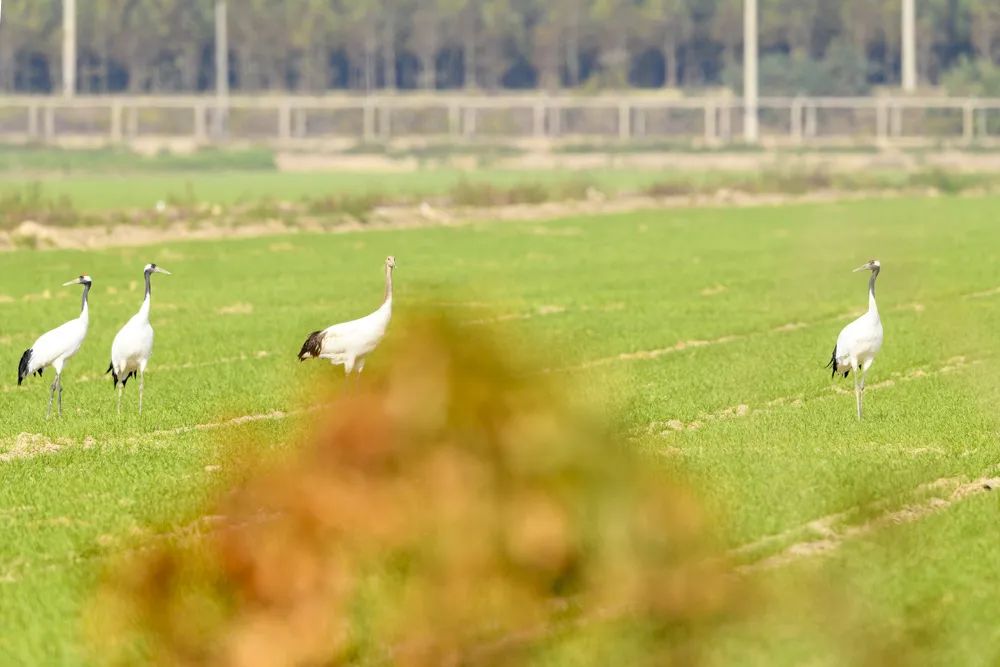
point(862, 268)
point(75, 281)
point(162, 270)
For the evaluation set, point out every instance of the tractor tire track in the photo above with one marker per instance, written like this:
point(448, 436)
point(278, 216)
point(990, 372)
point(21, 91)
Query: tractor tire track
point(683, 345)
point(994, 291)
point(655, 353)
point(545, 310)
point(108, 546)
point(540, 311)
point(273, 415)
point(833, 531)
point(668, 427)
point(33, 445)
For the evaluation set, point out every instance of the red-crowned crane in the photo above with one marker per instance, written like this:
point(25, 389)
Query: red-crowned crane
point(133, 344)
point(54, 348)
point(348, 343)
point(859, 341)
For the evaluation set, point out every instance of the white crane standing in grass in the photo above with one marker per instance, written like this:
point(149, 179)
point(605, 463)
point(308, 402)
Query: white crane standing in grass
point(133, 345)
point(859, 341)
point(348, 343)
point(54, 348)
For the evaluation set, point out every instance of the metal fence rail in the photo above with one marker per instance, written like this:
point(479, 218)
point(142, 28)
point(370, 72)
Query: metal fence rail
point(302, 120)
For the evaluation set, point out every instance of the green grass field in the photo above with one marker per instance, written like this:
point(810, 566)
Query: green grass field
point(703, 333)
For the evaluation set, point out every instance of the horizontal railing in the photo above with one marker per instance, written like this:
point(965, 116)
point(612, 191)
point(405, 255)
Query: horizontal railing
point(294, 120)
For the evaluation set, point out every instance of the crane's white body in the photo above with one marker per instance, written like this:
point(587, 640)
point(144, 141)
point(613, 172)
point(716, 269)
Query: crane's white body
point(860, 341)
point(54, 348)
point(133, 344)
point(349, 343)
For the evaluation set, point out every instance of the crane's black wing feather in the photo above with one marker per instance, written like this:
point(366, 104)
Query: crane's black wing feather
point(312, 346)
point(22, 367)
point(114, 375)
point(833, 363)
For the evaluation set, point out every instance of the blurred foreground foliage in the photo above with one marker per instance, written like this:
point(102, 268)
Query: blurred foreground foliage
point(447, 510)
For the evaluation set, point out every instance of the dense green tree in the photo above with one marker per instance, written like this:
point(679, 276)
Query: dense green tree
point(727, 30)
point(985, 30)
point(317, 45)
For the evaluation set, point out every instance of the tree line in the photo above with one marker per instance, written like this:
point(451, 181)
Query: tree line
point(807, 46)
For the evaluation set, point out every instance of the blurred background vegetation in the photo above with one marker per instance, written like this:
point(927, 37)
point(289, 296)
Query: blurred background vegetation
point(446, 510)
point(825, 47)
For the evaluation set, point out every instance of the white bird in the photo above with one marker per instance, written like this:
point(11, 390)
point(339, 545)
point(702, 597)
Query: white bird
point(348, 343)
point(133, 344)
point(54, 348)
point(859, 341)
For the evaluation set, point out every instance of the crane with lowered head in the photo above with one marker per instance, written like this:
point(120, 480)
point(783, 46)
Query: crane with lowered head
point(348, 343)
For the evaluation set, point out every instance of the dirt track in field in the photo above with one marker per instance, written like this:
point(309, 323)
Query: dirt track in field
point(543, 157)
point(826, 534)
point(30, 234)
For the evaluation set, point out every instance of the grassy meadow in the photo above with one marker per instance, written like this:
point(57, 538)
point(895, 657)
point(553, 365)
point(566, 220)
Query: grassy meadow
point(701, 333)
point(93, 181)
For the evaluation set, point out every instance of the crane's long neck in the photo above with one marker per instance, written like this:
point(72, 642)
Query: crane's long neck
point(84, 308)
point(388, 284)
point(872, 307)
point(144, 308)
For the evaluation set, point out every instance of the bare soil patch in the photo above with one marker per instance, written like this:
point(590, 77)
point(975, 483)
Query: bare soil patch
point(30, 445)
point(239, 308)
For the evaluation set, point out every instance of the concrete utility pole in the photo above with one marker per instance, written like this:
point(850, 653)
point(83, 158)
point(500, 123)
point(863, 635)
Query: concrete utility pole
point(69, 48)
point(221, 68)
point(909, 43)
point(750, 132)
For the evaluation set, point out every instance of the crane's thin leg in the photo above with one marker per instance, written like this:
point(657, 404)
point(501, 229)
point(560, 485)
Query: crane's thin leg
point(120, 398)
point(142, 379)
point(59, 380)
point(52, 393)
point(864, 372)
point(857, 391)
point(348, 369)
point(350, 365)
